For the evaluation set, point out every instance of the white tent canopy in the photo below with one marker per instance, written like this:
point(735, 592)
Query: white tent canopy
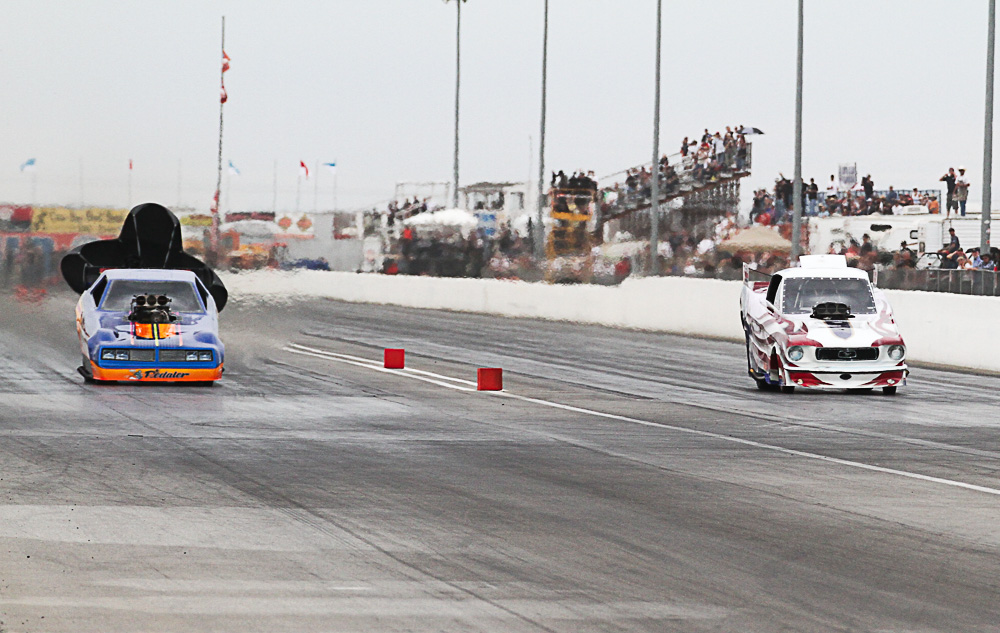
point(459, 218)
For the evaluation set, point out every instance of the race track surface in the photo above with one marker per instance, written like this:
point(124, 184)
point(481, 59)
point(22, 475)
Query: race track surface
point(626, 481)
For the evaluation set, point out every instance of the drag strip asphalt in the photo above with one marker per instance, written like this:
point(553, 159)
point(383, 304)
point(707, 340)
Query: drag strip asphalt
point(622, 481)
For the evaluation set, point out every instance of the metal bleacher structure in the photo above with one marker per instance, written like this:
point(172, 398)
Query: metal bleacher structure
point(696, 195)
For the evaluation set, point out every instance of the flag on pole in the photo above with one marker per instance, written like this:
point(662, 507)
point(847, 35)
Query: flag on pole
point(225, 61)
point(331, 166)
point(223, 97)
point(28, 164)
point(233, 170)
point(130, 164)
point(303, 170)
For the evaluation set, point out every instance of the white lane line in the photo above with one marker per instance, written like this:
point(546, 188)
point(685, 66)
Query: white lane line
point(375, 367)
point(680, 429)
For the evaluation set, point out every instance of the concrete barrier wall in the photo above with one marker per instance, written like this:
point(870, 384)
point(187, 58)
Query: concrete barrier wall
point(938, 328)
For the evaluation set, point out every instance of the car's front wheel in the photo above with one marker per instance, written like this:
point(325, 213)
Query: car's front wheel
point(84, 370)
point(889, 391)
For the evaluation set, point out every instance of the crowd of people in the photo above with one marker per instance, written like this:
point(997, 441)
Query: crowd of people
point(396, 211)
point(698, 163)
point(579, 180)
point(776, 206)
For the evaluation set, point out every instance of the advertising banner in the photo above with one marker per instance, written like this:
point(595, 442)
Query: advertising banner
point(92, 221)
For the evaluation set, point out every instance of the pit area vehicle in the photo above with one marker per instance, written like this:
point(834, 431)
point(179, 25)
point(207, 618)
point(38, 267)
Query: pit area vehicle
point(148, 311)
point(821, 325)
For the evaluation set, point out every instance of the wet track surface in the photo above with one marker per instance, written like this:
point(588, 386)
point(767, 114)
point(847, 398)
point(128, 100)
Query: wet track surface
point(309, 491)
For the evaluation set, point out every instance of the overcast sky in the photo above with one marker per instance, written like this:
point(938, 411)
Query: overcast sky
point(896, 86)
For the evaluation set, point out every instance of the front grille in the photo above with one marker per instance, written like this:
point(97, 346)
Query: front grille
point(185, 356)
point(847, 353)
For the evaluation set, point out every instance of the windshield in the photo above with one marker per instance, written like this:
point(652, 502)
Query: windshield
point(801, 294)
point(183, 295)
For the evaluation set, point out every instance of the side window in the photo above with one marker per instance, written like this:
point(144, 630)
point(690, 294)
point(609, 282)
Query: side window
point(202, 292)
point(98, 290)
point(772, 288)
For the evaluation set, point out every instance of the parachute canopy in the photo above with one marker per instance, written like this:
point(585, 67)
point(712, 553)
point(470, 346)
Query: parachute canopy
point(150, 238)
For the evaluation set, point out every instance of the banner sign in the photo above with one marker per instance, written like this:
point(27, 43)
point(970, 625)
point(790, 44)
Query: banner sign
point(236, 216)
point(93, 221)
point(848, 174)
point(196, 219)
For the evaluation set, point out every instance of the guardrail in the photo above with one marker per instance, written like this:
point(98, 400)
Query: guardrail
point(964, 282)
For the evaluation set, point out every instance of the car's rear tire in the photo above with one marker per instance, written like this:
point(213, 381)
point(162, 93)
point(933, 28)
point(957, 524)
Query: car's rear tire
point(889, 391)
point(762, 384)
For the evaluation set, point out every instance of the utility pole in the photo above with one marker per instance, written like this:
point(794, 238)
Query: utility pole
point(984, 235)
point(654, 203)
point(214, 232)
point(274, 189)
point(458, 75)
point(539, 232)
point(797, 185)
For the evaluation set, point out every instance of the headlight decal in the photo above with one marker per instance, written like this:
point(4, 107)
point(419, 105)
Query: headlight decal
point(150, 355)
point(795, 353)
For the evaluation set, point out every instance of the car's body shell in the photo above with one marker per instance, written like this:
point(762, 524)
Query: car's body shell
point(102, 329)
point(770, 333)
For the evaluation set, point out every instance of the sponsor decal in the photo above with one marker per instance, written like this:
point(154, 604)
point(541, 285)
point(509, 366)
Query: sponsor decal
point(140, 374)
point(93, 220)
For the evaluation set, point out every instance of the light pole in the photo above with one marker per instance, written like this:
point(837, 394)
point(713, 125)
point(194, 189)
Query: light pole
point(654, 203)
point(539, 232)
point(797, 186)
point(458, 75)
point(984, 234)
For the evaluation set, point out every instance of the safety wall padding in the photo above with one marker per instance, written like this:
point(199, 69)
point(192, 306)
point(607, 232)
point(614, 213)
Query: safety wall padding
point(938, 328)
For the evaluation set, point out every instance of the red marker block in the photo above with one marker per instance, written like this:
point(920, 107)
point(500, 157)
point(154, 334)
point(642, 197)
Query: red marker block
point(489, 379)
point(395, 359)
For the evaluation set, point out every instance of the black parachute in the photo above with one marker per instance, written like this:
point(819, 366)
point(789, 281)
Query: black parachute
point(150, 238)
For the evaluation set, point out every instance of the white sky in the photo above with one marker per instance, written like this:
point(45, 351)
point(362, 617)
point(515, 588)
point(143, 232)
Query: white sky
point(894, 85)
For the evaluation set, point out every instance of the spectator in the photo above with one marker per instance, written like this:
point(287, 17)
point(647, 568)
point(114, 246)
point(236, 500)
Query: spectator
point(741, 152)
point(866, 245)
point(933, 206)
point(961, 190)
point(812, 197)
point(904, 257)
point(949, 179)
point(892, 198)
point(831, 189)
point(684, 147)
point(719, 146)
point(973, 256)
point(868, 186)
point(987, 263)
point(951, 252)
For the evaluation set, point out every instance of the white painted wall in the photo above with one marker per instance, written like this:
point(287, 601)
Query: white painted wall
point(938, 328)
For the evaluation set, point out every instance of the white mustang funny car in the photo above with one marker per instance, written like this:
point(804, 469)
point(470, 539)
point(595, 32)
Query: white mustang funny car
point(821, 325)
